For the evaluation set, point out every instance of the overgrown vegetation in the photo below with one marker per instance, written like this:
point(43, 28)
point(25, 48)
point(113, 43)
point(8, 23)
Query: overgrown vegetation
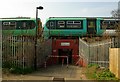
point(17, 54)
point(93, 71)
point(11, 68)
point(17, 70)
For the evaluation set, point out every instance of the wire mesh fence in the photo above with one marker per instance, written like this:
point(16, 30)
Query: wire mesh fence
point(95, 52)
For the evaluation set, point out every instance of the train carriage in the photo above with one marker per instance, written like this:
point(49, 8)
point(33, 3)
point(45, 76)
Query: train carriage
point(65, 27)
point(20, 26)
point(79, 26)
point(108, 26)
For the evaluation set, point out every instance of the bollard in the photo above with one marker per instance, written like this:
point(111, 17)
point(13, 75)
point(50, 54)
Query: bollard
point(62, 61)
point(45, 64)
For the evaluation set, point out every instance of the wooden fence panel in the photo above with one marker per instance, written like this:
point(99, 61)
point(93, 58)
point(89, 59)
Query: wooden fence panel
point(114, 61)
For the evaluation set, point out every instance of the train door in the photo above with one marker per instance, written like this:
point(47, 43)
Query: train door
point(91, 26)
point(65, 52)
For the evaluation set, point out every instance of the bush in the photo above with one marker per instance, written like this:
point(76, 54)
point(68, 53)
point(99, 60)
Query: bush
point(106, 75)
point(6, 64)
point(18, 70)
point(95, 72)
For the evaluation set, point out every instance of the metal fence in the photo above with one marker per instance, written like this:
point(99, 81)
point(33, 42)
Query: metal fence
point(95, 52)
point(116, 42)
point(19, 51)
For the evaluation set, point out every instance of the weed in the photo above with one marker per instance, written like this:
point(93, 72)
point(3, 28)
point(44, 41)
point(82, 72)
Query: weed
point(18, 70)
point(93, 71)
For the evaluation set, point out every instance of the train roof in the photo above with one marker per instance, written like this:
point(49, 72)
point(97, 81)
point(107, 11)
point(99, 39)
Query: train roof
point(18, 18)
point(57, 18)
point(66, 18)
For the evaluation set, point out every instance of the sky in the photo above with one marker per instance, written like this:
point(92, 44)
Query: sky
point(57, 8)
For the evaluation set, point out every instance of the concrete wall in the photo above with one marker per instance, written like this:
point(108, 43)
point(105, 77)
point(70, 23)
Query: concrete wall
point(44, 49)
point(114, 61)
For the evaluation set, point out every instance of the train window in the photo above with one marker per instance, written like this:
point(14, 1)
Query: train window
point(91, 24)
point(74, 24)
point(25, 24)
point(8, 25)
point(69, 22)
point(30, 25)
point(107, 24)
point(77, 22)
point(104, 24)
point(61, 24)
point(50, 24)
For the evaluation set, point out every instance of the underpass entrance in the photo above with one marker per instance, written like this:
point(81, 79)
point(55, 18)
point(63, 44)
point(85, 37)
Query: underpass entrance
point(65, 52)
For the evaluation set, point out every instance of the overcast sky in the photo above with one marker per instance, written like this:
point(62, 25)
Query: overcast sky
point(57, 8)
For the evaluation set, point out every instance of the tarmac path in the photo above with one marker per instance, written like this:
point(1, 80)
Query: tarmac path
point(57, 71)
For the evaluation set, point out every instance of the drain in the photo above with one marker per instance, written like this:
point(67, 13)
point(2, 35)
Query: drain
point(58, 79)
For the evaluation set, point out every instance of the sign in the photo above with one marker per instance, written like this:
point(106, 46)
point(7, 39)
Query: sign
point(65, 44)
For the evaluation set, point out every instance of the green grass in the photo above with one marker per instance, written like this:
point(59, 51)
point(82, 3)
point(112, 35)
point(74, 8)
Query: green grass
point(94, 72)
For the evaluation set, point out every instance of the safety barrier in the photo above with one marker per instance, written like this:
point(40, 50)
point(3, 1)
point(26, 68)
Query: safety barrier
point(96, 52)
point(51, 56)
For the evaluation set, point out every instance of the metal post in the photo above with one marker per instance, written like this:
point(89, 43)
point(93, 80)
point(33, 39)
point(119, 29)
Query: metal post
point(67, 61)
point(35, 60)
point(61, 57)
point(62, 61)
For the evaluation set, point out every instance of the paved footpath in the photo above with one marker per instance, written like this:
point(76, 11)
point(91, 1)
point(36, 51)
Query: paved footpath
point(68, 73)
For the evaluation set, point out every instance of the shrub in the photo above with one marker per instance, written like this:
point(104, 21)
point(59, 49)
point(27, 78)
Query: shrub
point(19, 70)
point(95, 72)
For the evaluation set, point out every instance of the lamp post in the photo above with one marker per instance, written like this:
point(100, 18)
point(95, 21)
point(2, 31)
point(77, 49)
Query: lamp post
point(35, 59)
